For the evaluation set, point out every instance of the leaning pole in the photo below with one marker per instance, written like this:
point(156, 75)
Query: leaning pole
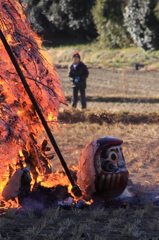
point(75, 189)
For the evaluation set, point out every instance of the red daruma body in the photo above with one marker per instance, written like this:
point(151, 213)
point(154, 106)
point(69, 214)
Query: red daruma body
point(103, 171)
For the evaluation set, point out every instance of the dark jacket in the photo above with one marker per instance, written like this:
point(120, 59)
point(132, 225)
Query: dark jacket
point(80, 73)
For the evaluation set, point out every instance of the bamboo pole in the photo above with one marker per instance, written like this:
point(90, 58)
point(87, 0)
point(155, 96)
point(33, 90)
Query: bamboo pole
point(75, 189)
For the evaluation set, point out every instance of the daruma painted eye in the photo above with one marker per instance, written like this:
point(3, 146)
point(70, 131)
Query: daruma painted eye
point(113, 156)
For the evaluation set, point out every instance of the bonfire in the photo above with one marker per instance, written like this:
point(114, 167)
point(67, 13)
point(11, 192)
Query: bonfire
point(21, 130)
point(30, 97)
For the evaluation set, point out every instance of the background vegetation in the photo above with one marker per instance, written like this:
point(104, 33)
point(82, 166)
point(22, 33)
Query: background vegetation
point(112, 24)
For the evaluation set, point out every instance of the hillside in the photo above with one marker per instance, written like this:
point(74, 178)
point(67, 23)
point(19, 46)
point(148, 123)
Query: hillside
point(95, 56)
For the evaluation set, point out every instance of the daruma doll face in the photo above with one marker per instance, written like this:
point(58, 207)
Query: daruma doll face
point(102, 168)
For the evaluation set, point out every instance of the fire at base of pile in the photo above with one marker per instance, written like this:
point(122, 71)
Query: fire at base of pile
point(20, 126)
point(102, 175)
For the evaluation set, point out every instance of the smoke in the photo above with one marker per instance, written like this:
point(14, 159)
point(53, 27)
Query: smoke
point(126, 193)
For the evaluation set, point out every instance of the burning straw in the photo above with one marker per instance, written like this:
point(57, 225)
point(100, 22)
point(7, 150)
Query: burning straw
point(18, 138)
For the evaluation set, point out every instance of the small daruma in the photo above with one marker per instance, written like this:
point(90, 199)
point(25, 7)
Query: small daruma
point(103, 171)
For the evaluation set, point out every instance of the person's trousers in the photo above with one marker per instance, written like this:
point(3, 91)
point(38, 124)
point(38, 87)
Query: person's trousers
point(75, 96)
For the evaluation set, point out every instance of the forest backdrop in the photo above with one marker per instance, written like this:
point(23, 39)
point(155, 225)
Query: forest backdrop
point(113, 24)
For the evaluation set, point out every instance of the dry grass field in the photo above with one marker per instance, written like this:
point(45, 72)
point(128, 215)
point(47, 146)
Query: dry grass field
point(122, 104)
point(119, 89)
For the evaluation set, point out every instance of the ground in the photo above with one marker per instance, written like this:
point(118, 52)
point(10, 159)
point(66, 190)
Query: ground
point(122, 104)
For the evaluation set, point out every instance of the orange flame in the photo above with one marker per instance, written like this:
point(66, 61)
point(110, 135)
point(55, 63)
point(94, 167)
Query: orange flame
point(16, 110)
point(18, 133)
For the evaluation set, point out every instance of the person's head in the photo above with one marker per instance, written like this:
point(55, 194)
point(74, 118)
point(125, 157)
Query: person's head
point(76, 58)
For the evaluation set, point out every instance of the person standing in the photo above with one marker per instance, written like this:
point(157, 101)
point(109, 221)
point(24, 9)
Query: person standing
point(78, 73)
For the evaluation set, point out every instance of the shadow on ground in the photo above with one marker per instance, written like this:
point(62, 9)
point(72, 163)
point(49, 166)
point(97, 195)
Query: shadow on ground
point(118, 99)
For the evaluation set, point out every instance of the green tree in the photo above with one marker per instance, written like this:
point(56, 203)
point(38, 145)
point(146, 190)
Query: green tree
point(142, 23)
point(108, 19)
point(62, 17)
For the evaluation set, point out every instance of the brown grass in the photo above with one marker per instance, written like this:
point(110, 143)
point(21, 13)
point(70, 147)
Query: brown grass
point(116, 91)
point(90, 224)
point(120, 103)
point(76, 116)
